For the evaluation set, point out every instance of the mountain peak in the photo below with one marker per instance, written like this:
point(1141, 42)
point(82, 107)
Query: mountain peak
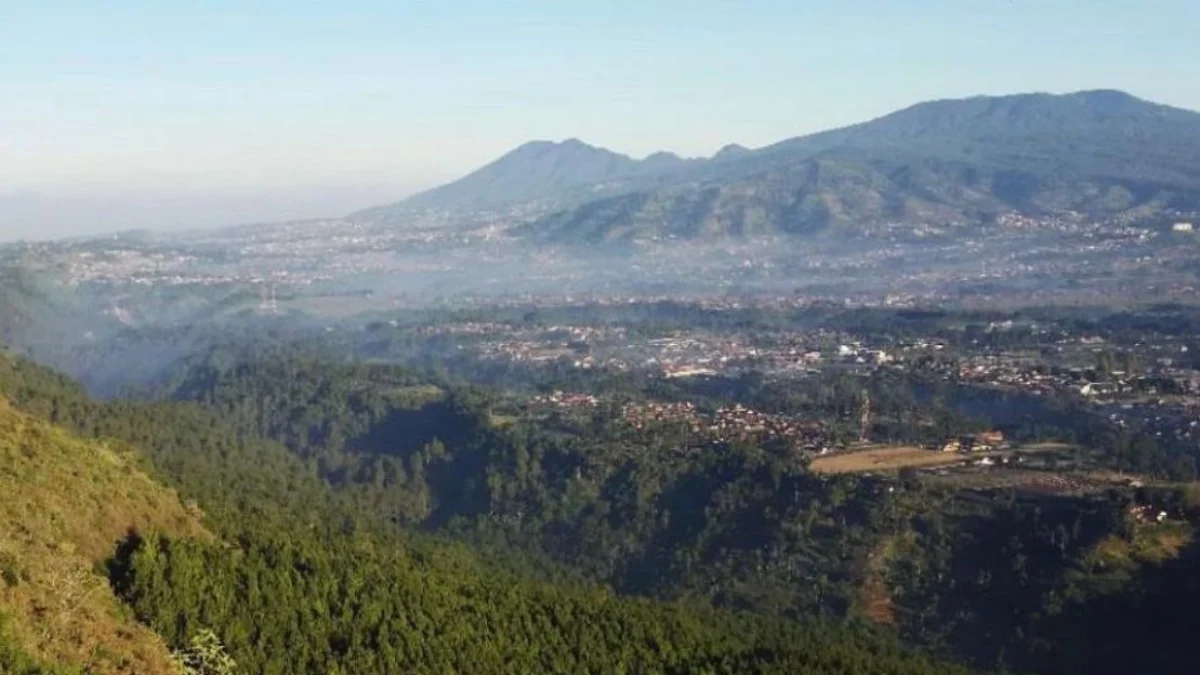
point(661, 161)
point(1092, 134)
point(731, 150)
point(662, 155)
point(1113, 101)
point(568, 145)
point(534, 170)
point(1104, 94)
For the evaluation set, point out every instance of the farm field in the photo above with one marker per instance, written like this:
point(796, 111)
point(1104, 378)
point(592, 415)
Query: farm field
point(885, 458)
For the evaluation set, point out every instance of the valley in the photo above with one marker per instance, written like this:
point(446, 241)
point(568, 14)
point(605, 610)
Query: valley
point(917, 395)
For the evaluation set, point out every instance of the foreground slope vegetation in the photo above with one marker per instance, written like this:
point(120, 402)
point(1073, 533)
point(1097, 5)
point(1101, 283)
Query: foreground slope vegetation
point(65, 503)
point(299, 579)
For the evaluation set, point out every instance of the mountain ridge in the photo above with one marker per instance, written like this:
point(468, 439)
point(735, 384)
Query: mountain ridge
point(1101, 151)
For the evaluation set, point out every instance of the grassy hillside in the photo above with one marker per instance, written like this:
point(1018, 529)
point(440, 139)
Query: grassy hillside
point(66, 502)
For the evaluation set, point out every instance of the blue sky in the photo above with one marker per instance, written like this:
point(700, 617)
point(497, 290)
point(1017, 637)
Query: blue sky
point(180, 114)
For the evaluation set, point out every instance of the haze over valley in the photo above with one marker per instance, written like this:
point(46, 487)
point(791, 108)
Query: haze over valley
point(558, 338)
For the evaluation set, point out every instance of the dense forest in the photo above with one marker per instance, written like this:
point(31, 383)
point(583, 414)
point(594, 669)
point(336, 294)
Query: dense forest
point(304, 579)
point(496, 533)
point(739, 526)
point(292, 607)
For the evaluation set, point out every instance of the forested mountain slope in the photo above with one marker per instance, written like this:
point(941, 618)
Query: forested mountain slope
point(992, 576)
point(961, 161)
point(304, 578)
point(736, 547)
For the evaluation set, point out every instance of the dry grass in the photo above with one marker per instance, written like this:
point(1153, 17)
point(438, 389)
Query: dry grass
point(64, 503)
point(1047, 446)
point(1115, 562)
point(1152, 543)
point(884, 458)
point(502, 421)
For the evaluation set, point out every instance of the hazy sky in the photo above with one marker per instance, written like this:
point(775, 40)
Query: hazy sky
point(179, 114)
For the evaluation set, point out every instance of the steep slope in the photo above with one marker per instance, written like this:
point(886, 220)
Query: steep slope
point(66, 503)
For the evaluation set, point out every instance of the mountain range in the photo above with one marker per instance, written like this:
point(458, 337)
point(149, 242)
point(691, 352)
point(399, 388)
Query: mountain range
point(963, 161)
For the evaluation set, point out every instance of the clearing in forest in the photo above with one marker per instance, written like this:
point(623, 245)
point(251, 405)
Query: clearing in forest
point(884, 458)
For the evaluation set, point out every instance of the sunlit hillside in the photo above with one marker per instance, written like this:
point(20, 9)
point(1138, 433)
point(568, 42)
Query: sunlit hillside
point(66, 503)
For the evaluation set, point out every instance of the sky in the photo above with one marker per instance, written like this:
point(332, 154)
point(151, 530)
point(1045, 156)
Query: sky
point(168, 115)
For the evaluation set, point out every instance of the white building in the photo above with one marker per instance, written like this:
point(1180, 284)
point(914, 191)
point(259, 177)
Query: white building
point(1182, 227)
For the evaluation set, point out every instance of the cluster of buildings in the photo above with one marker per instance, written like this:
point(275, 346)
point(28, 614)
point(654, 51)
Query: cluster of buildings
point(673, 356)
point(1019, 373)
point(455, 255)
point(642, 416)
point(986, 441)
point(726, 424)
point(103, 265)
point(527, 351)
point(1032, 375)
point(1161, 398)
point(465, 328)
point(741, 422)
point(563, 401)
point(693, 355)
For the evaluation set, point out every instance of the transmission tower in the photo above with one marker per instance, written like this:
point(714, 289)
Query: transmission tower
point(269, 304)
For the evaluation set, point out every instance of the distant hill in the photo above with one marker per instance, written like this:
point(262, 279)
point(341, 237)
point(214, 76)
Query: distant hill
point(536, 170)
point(959, 161)
point(951, 161)
point(66, 503)
point(1092, 134)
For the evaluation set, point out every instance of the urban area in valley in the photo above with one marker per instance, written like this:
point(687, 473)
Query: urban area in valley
point(759, 412)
